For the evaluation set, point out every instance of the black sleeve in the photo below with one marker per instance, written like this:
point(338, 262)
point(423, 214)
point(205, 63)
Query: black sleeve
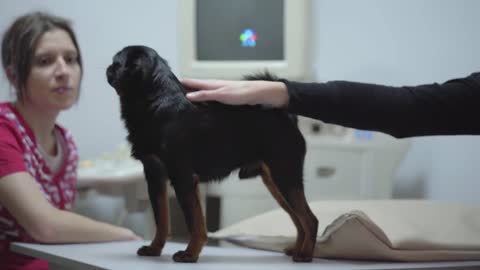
point(450, 108)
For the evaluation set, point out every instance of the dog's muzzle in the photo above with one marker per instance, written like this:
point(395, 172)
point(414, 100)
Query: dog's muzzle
point(111, 75)
point(112, 79)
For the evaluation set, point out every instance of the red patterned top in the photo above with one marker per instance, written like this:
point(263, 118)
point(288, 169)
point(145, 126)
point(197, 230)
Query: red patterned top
point(20, 153)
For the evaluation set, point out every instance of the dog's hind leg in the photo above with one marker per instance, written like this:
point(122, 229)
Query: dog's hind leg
point(288, 181)
point(156, 176)
point(272, 187)
point(295, 197)
point(186, 190)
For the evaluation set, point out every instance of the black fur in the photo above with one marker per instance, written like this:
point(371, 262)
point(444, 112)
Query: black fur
point(208, 140)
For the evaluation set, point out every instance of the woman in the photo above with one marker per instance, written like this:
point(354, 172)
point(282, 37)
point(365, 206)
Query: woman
point(38, 158)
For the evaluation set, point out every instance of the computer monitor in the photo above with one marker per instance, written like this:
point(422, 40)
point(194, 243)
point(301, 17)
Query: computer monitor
point(227, 39)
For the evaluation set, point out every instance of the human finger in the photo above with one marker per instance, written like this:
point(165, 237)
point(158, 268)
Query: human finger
point(198, 84)
point(203, 95)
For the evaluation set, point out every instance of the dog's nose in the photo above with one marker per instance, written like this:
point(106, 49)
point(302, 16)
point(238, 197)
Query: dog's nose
point(110, 74)
point(110, 71)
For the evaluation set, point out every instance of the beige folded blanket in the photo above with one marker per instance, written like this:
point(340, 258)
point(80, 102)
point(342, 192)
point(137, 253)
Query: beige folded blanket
point(396, 230)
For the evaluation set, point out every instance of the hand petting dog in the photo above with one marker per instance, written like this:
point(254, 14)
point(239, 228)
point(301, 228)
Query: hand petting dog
point(271, 93)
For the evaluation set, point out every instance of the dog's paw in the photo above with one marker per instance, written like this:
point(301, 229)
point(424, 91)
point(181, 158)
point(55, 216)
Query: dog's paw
point(184, 256)
point(149, 251)
point(301, 257)
point(290, 250)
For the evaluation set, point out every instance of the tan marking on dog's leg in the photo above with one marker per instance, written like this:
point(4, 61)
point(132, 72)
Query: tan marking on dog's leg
point(299, 204)
point(198, 230)
point(163, 225)
point(272, 187)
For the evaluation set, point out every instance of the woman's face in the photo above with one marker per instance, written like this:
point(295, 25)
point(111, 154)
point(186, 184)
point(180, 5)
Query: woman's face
point(54, 80)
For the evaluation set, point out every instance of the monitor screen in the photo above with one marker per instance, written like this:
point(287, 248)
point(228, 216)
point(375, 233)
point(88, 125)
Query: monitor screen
point(240, 30)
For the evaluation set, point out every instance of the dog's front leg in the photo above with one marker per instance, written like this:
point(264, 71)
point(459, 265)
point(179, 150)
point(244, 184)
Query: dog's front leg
point(156, 176)
point(187, 194)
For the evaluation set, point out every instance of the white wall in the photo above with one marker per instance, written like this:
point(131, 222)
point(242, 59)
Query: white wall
point(403, 42)
point(407, 42)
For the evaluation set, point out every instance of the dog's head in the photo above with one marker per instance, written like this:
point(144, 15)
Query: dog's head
point(136, 69)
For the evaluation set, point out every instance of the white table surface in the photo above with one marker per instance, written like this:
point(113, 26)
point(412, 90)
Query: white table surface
point(122, 255)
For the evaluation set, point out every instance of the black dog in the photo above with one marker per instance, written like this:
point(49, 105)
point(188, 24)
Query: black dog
point(188, 143)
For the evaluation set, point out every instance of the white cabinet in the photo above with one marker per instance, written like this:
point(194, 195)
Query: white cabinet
point(333, 173)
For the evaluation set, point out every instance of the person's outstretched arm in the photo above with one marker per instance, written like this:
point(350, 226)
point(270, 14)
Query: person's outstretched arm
point(430, 109)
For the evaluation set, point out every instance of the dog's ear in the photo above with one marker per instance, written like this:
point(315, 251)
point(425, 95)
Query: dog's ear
point(163, 62)
point(163, 75)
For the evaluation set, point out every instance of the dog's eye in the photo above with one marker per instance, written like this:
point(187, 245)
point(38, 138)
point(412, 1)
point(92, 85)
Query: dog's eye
point(133, 65)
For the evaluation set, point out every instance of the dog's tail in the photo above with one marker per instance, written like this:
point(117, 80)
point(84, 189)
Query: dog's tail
point(262, 76)
point(267, 76)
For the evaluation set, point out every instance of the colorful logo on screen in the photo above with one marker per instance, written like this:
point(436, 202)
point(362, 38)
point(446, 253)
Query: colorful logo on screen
point(248, 38)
